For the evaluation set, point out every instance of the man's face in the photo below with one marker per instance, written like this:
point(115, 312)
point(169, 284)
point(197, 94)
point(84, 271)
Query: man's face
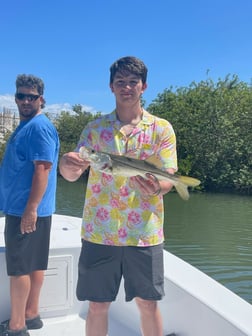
point(127, 88)
point(28, 101)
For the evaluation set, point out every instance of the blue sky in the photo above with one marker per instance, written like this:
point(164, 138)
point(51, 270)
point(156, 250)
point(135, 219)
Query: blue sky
point(71, 45)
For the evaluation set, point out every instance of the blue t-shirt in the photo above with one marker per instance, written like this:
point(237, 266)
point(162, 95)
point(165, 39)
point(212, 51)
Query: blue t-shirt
point(33, 140)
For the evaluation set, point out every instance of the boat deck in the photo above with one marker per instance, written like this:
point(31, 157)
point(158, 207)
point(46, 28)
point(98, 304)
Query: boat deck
point(75, 325)
point(61, 326)
point(194, 304)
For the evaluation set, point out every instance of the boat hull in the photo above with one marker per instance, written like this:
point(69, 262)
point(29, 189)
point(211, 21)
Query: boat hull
point(194, 304)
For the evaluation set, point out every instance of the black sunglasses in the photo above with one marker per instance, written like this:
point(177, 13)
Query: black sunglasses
point(29, 97)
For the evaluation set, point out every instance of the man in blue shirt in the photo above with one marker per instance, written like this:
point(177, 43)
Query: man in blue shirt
point(28, 175)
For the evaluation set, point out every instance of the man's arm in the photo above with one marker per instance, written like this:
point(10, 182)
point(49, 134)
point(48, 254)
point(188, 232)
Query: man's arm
point(38, 188)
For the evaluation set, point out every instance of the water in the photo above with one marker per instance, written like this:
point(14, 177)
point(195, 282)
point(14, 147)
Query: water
point(210, 231)
point(214, 233)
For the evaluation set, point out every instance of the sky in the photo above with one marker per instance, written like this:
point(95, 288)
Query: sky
point(71, 45)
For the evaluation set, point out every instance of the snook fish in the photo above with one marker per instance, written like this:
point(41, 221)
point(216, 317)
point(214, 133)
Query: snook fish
point(126, 166)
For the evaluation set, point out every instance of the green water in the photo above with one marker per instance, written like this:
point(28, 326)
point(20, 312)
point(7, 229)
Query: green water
point(210, 231)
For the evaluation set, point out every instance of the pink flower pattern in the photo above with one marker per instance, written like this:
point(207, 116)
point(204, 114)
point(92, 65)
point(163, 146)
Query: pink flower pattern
point(108, 242)
point(145, 205)
point(106, 177)
point(106, 136)
point(124, 191)
point(96, 188)
point(114, 203)
point(122, 233)
point(126, 216)
point(89, 227)
point(103, 214)
point(134, 217)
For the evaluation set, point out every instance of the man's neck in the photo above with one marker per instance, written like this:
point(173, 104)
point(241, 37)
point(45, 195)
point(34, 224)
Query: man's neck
point(129, 115)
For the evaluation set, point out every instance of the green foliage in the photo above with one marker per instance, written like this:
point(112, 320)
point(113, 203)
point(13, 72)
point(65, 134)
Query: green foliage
point(212, 121)
point(70, 126)
point(213, 125)
point(3, 144)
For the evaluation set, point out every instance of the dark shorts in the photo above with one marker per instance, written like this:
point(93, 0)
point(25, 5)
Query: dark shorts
point(102, 267)
point(27, 252)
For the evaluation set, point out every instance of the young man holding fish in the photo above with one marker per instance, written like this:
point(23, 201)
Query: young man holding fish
point(122, 227)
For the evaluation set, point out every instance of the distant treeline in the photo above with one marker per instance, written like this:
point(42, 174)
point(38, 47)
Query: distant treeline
point(213, 125)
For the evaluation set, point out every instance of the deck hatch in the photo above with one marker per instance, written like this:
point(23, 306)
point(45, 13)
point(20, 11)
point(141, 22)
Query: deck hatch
point(57, 291)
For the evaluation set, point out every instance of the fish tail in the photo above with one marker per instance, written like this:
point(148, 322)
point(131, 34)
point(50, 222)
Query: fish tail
point(183, 183)
point(189, 181)
point(182, 190)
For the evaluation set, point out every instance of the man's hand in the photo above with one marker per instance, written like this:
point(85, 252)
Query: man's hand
point(71, 166)
point(28, 221)
point(148, 186)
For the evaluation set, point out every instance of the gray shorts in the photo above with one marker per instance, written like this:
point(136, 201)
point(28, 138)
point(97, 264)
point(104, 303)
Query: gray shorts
point(27, 252)
point(101, 268)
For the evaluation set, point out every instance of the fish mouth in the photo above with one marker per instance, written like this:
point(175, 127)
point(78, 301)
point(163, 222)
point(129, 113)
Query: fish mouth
point(106, 167)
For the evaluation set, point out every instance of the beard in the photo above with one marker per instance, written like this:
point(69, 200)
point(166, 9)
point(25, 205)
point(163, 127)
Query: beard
point(27, 112)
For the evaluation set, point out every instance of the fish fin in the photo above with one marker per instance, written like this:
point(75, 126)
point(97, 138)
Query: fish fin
point(153, 160)
point(182, 190)
point(183, 182)
point(130, 153)
point(188, 181)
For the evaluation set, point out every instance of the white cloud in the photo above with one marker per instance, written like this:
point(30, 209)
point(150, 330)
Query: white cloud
point(57, 108)
point(8, 101)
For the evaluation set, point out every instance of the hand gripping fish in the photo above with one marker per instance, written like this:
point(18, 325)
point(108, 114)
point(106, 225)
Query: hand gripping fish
point(126, 166)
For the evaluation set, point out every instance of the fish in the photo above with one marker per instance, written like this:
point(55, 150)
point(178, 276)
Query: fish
point(123, 165)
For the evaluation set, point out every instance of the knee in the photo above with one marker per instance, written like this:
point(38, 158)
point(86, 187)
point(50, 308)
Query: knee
point(147, 306)
point(37, 278)
point(98, 308)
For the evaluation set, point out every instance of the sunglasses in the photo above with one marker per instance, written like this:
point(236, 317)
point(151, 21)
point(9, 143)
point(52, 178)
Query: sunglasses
point(29, 97)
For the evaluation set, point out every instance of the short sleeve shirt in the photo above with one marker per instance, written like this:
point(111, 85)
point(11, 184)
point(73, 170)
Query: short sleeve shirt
point(33, 140)
point(114, 212)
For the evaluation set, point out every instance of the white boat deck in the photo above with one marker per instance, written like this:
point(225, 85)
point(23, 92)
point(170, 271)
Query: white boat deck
point(74, 325)
point(194, 305)
point(71, 325)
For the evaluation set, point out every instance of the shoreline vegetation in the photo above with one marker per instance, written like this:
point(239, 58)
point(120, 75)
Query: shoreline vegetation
point(212, 122)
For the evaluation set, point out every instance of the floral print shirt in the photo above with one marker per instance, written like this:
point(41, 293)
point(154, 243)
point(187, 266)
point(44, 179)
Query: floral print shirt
point(114, 212)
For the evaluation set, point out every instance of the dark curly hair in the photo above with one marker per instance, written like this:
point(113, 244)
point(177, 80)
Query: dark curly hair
point(31, 81)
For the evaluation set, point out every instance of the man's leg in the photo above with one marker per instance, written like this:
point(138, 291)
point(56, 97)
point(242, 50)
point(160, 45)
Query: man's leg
point(19, 292)
point(151, 320)
point(97, 319)
point(32, 305)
